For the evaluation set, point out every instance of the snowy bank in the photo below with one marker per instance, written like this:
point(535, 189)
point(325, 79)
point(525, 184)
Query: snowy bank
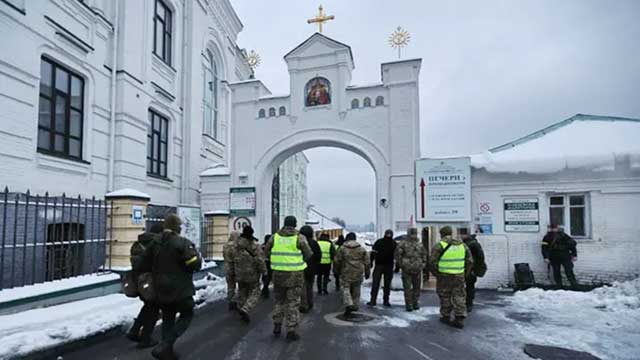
point(7, 295)
point(39, 329)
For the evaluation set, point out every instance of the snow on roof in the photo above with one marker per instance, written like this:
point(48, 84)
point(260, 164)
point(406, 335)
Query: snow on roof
point(320, 222)
point(582, 141)
point(127, 193)
point(218, 170)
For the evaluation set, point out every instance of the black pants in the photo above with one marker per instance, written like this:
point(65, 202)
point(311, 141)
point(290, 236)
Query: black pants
point(471, 289)
point(172, 329)
point(266, 278)
point(378, 272)
point(324, 272)
point(146, 320)
point(567, 264)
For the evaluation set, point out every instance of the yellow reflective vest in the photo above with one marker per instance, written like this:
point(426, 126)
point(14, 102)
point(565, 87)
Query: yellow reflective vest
point(325, 247)
point(452, 261)
point(285, 255)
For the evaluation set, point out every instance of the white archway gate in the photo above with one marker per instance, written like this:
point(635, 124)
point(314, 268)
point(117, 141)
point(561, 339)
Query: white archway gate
point(322, 111)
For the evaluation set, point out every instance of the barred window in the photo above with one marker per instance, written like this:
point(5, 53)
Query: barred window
point(162, 31)
point(157, 140)
point(60, 114)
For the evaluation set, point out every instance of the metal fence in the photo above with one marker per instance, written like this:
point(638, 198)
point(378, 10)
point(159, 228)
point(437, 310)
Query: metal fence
point(45, 238)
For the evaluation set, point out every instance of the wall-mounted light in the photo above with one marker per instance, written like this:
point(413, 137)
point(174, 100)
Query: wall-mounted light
point(384, 203)
point(243, 177)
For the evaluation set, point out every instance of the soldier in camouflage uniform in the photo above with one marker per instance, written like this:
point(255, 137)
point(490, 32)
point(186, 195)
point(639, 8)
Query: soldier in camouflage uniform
point(411, 258)
point(287, 284)
point(351, 263)
point(450, 261)
point(228, 253)
point(248, 265)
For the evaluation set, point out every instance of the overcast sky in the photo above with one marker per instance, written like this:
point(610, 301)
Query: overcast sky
point(492, 71)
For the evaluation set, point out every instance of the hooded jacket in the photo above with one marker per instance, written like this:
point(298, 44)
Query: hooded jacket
point(352, 262)
point(411, 256)
point(436, 252)
point(248, 261)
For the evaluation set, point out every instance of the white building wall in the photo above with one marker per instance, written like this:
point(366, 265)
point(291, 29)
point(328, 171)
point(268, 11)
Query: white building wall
point(293, 187)
point(610, 252)
point(80, 36)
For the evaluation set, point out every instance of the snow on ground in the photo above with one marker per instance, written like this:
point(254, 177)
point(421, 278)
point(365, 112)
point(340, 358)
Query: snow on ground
point(38, 329)
point(396, 316)
point(56, 285)
point(604, 322)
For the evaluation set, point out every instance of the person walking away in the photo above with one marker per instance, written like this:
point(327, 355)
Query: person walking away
point(352, 263)
point(382, 255)
point(339, 243)
point(143, 325)
point(228, 254)
point(266, 277)
point(411, 258)
point(450, 261)
point(478, 270)
point(328, 254)
point(248, 266)
point(559, 249)
point(287, 250)
point(313, 263)
point(174, 259)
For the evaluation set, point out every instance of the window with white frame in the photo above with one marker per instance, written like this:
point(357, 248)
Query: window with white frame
point(210, 96)
point(570, 211)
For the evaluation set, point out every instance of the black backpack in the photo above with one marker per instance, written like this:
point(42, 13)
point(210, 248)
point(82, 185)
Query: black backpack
point(523, 276)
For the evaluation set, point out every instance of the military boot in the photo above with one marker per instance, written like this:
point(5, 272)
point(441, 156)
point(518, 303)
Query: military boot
point(293, 336)
point(445, 320)
point(458, 322)
point(164, 351)
point(277, 329)
point(244, 315)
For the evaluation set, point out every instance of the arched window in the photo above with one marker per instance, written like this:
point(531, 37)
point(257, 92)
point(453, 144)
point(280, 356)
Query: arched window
point(366, 102)
point(272, 111)
point(282, 111)
point(261, 113)
point(379, 101)
point(210, 99)
point(317, 92)
point(355, 103)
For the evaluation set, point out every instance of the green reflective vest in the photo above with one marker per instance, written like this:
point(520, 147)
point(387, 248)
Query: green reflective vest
point(285, 255)
point(452, 261)
point(325, 246)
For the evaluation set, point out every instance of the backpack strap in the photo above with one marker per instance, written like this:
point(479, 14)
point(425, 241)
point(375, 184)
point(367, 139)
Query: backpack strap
point(444, 251)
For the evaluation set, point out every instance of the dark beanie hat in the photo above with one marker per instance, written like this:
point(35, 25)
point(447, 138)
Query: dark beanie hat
point(290, 221)
point(307, 231)
point(156, 228)
point(247, 232)
point(351, 236)
point(325, 236)
point(172, 222)
point(445, 231)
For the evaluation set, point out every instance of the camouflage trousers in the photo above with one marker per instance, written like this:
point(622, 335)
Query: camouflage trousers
point(412, 285)
point(248, 295)
point(450, 289)
point(351, 293)
point(287, 289)
point(231, 287)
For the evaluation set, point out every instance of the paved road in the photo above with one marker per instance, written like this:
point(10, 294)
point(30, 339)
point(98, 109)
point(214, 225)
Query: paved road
point(218, 334)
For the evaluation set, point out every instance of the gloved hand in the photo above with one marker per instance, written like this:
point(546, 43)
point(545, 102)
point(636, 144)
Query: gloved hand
point(546, 261)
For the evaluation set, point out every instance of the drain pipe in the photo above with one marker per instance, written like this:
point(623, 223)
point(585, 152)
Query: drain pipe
point(112, 116)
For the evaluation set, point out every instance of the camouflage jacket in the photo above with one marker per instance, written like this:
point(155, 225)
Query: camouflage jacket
point(352, 262)
point(289, 278)
point(436, 252)
point(228, 253)
point(248, 261)
point(410, 255)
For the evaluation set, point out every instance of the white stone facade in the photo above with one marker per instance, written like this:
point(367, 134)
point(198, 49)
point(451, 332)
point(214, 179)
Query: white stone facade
point(110, 46)
point(293, 187)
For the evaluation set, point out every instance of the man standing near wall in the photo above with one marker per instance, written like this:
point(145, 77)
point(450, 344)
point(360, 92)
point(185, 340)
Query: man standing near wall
point(559, 249)
point(288, 252)
point(479, 268)
point(450, 261)
point(382, 255)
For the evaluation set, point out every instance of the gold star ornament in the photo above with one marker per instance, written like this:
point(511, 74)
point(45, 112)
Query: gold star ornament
point(399, 39)
point(253, 59)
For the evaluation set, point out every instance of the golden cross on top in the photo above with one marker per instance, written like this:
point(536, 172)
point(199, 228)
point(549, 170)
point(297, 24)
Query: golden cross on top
point(321, 18)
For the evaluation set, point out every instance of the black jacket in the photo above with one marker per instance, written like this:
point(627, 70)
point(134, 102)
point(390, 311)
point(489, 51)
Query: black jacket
point(382, 251)
point(477, 254)
point(174, 259)
point(313, 261)
point(558, 246)
point(140, 263)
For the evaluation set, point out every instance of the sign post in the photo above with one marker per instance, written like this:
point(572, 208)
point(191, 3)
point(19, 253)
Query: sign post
point(521, 215)
point(444, 186)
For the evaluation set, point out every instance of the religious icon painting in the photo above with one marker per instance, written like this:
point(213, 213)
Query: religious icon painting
point(317, 92)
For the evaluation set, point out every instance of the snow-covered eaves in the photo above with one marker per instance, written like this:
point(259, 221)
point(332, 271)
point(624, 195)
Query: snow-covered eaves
point(590, 142)
point(127, 193)
point(217, 212)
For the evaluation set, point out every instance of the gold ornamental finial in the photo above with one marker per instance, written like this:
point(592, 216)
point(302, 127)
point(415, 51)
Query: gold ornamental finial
point(320, 19)
point(399, 39)
point(253, 59)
